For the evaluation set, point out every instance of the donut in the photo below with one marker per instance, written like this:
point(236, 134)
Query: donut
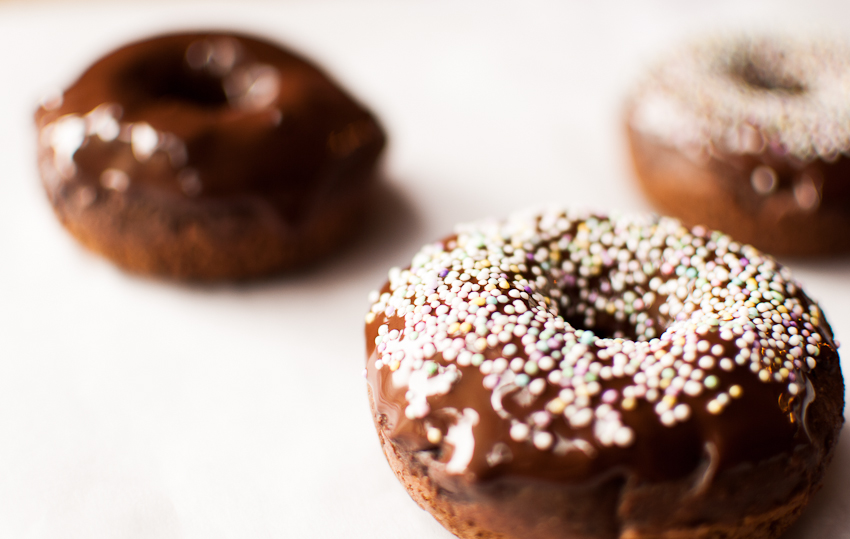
point(562, 374)
point(750, 135)
point(207, 156)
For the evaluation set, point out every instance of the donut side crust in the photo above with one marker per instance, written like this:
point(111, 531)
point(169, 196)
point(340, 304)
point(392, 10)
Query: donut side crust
point(204, 241)
point(620, 509)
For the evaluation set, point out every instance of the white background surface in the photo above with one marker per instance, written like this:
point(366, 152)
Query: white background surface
point(133, 408)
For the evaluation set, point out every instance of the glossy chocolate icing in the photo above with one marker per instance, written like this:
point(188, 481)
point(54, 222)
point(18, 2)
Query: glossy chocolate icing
point(207, 117)
point(765, 421)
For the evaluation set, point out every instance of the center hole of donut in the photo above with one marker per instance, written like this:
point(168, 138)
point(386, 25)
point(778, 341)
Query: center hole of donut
point(613, 311)
point(171, 79)
point(765, 75)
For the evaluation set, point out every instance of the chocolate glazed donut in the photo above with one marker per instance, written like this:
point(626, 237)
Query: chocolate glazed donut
point(750, 136)
point(207, 156)
point(564, 375)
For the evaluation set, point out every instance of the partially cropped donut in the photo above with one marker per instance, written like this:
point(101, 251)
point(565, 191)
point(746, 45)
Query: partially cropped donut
point(750, 135)
point(567, 375)
point(207, 156)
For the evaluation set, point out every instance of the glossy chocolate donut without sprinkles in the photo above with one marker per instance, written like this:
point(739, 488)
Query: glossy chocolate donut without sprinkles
point(207, 156)
point(561, 375)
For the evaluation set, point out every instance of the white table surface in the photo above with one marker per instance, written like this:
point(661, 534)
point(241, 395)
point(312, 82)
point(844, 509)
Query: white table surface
point(135, 408)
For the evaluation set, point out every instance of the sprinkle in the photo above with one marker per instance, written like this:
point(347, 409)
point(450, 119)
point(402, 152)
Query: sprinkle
point(682, 412)
point(714, 407)
point(581, 418)
point(542, 440)
point(624, 436)
point(520, 432)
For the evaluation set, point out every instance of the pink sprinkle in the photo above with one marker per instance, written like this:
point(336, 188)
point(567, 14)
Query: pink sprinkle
point(490, 381)
point(609, 396)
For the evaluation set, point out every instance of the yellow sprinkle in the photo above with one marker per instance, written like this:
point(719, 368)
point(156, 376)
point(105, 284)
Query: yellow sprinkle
point(394, 365)
point(555, 255)
point(764, 375)
point(485, 263)
point(736, 391)
point(514, 268)
point(454, 327)
point(435, 436)
point(714, 407)
point(370, 317)
point(479, 301)
point(664, 384)
point(481, 344)
point(504, 284)
point(465, 327)
point(782, 309)
point(629, 403)
point(659, 354)
point(489, 287)
point(556, 406)
point(669, 399)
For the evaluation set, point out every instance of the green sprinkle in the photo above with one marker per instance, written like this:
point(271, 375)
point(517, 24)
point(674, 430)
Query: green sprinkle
point(588, 338)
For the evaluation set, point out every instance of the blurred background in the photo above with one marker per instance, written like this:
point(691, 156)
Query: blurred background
point(138, 408)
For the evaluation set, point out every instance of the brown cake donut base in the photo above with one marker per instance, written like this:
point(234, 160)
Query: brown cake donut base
point(204, 240)
point(616, 508)
point(718, 195)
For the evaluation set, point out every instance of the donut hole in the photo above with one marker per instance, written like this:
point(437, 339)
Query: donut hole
point(170, 78)
point(625, 312)
point(766, 73)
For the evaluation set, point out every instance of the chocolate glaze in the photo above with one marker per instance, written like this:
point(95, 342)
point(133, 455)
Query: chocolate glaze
point(206, 117)
point(804, 212)
point(767, 422)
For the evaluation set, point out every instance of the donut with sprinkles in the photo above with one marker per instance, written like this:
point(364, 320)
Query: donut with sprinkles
point(564, 374)
point(750, 135)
